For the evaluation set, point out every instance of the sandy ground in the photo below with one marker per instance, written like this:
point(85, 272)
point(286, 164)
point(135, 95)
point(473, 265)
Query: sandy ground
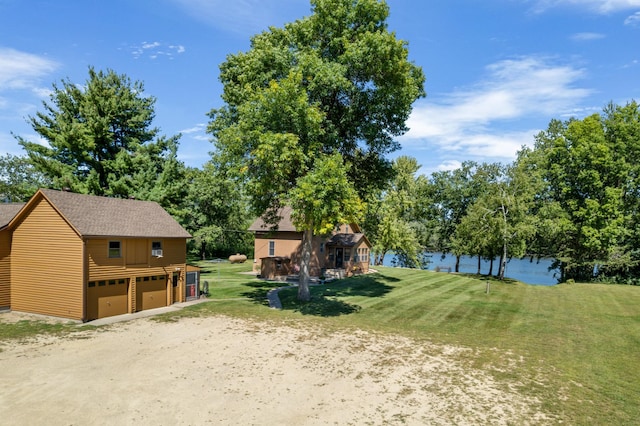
point(226, 371)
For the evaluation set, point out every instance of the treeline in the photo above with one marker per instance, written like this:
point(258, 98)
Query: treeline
point(572, 197)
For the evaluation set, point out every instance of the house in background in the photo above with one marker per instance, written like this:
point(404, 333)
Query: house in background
point(7, 212)
point(277, 252)
point(85, 257)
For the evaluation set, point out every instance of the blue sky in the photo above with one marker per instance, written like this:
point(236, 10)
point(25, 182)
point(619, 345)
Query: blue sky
point(497, 70)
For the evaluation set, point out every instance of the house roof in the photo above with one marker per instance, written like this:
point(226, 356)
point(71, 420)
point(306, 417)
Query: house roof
point(345, 240)
point(284, 224)
point(94, 216)
point(8, 212)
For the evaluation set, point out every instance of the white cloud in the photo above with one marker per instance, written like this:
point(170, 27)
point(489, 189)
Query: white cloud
point(198, 128)
point(155, 50)
point(146, 45)
point(242, 16)
point(597, 6)
point(197, 132)
point(475, 121)
point(21, 70)
point(633, 20)
point(449, 165)
point(587, 36)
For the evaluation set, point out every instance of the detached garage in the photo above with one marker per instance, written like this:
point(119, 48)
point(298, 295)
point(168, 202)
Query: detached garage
point(109, 256)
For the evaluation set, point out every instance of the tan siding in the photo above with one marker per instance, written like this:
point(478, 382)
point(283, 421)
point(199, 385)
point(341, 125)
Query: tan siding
point(102, 267)
point(136, 251)
point(47, 265)
point(5, 269)
point(174, 252)
point(288, 244)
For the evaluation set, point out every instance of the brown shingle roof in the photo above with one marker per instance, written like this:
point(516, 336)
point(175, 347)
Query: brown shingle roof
point(8, 211)
point(345, 240)
point(285, 223)
point(94, 216)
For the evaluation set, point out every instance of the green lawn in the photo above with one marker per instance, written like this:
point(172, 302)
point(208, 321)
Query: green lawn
point(575, 347)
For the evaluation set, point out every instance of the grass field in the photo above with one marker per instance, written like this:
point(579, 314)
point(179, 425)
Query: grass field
point(575, 347)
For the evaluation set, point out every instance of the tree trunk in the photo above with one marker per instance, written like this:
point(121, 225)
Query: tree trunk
point(491, 267)
point(381, 259)
point(479, 263)
point(304, 295)
point(458, 263)
point(505, 230)
point(503, 260)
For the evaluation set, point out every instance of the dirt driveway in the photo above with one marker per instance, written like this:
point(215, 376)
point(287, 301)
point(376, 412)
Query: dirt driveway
point(226, 371)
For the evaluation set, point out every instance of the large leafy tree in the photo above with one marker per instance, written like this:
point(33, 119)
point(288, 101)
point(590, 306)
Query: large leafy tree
point(19, 180)
point(334, 88)
point(216, 213)
point(99, 137)
point(590, 172)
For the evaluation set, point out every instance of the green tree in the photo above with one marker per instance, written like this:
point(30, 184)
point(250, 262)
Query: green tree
point(333, 88)
point(216, 213)
point(321, 199)
point(590, 170)
point(497, 223)
point(99, 135)
point(513, 199)
point(453, 192)
point(161, 177)
point(391, 223)
point(19, 180)
point(478, 234)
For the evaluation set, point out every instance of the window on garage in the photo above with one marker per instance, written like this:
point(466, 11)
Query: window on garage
point(156, 248)
point(115, 249)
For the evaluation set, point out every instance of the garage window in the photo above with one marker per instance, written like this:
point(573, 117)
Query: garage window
point(156, 248)
point(115, 251)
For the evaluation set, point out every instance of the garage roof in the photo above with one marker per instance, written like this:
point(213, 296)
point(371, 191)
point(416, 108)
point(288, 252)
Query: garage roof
point(94, 216)
point(8, 212)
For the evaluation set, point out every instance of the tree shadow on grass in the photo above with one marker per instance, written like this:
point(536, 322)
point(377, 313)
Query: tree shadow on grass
point(326, 299)
point(258, 291)
point(491, 278)
point(323, 307)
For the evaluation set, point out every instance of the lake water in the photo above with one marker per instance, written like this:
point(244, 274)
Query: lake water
point(531, 272)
